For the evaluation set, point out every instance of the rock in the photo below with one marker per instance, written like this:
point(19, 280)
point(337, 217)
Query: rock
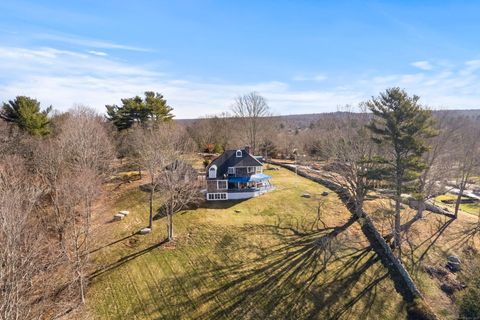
point(454, 263)
point(325, 193)
point(145, 231)
point(118, 217)
point(124, 212)
point(450, 285)
point(438, 272)
point(447, 288)
point(306, 195)
point(237, 211)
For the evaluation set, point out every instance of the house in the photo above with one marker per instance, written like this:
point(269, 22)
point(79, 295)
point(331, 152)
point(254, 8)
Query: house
point(235, 175)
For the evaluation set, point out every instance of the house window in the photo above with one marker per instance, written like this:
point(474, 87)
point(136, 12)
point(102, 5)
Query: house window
point(258, 169)
point(222, 184)
point(231, 170)
point(251, 169)
point(239, 153)
point(217, 196)
point(212, 172)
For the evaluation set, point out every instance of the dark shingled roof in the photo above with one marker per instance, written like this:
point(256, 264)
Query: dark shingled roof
point(229, 159)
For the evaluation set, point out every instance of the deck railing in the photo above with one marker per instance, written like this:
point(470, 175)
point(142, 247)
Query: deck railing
point(250, 189)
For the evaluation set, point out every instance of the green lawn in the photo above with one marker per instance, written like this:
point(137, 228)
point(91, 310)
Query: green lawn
point(472, 208)
point(265, 258)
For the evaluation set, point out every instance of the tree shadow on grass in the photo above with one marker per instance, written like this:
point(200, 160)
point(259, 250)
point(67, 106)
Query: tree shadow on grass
point(309, 275)
point(111, 267)
point(224, 204)
point(466, 236)
point(112, 243)
point(418, 252)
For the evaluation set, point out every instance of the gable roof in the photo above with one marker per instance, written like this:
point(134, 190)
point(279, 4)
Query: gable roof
point(229, 159)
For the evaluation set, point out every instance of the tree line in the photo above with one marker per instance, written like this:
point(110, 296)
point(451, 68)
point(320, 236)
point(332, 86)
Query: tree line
point(52, 170)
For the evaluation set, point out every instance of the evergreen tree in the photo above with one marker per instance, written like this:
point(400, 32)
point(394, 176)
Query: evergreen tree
point(25, 112)
point(137, 110)
point(401, 126)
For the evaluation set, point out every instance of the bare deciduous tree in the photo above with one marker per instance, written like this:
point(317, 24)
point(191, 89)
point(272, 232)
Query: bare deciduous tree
point(21, 243)
point(71, 165)
point(158, 147)
point(467, 155)
point(437, 163)
point(250, 109)
point(212, 133)
point(180, 185)
point(350, 147)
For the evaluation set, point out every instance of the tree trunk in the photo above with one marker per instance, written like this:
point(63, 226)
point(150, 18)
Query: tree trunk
point(82, 289)
point(459, 197)
point(398, 198)
point(170, 226)
point(420, 209)
point(140, 172)
point(150, 221)
point(398, 226)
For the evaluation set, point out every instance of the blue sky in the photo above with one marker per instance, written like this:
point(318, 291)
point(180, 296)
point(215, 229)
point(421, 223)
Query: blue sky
point(303, 56)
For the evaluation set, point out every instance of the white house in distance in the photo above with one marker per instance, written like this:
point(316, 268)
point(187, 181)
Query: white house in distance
point(235, 175)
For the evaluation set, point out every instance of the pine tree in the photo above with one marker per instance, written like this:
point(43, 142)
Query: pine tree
point(137, 110)
point(401, 126)
point(25, 112)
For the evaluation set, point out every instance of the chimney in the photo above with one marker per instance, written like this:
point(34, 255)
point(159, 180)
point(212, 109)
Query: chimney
point(247, 149)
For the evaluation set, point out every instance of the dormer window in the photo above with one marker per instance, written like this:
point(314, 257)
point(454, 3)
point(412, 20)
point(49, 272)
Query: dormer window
point(212, 172)
point(239, 153)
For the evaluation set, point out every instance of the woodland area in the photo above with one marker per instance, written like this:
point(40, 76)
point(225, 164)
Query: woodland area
point(54, 166)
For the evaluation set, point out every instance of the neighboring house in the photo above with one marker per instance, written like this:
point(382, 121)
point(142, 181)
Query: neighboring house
point(234, 175)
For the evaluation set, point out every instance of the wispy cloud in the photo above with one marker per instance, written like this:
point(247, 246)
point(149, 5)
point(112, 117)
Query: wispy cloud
point(97, 53)
point(65, 77)
point(85, 42)
point(317, 77)
point(423, 65)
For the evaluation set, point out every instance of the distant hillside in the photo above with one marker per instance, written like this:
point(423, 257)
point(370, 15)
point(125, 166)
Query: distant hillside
point(304, 120)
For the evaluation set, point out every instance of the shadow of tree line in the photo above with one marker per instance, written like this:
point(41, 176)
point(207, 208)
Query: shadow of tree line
point(314, 274)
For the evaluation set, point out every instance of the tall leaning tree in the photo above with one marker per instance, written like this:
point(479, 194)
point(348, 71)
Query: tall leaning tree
point(250, 109)
point(401, 126)
point(26, 113)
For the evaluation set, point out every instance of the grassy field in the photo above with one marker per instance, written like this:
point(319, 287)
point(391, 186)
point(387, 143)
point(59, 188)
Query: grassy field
point(278, 256)
point(472, 208)
point(428, 244)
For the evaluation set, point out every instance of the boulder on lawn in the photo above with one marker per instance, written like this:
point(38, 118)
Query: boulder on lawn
point(145, 231)
point(450, 284)
point(306, 195)
point(118, 217)
point(454, 263)
point(124, 212)
point(325, 193)
point(437, 272)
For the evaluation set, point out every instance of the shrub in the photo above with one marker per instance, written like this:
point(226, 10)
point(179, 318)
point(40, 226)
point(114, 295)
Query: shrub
point(469, 305)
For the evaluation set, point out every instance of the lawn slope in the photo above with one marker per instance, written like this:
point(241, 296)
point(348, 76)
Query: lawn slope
point(278, 256)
